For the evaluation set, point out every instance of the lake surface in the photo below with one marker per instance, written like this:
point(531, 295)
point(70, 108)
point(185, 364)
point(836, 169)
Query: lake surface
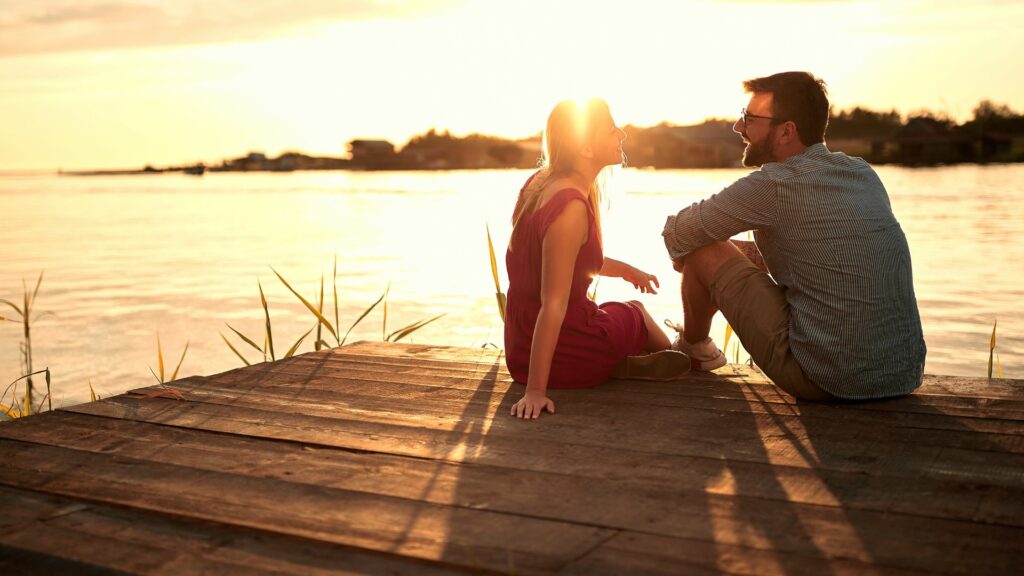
point(130, 257)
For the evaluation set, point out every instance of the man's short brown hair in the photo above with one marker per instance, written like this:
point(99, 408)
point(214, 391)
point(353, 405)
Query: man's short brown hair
point(799, 97)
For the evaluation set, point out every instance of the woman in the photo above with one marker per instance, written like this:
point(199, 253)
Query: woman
point(555, 337)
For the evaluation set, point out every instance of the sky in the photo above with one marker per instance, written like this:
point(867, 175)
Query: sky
point(124, 83)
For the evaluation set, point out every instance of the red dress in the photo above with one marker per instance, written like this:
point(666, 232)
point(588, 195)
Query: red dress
point(593, 339)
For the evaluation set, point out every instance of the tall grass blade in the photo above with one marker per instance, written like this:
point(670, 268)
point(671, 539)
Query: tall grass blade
point(12, 305)
point(498, 294)
point(403, 332)
point(158, 379)
point(384, 325)
point(494, 261)
point(361, 316)
point(233, 349)
point(999, 367)
point(992, 348)
point(309, 306)
point(291, 351)
point(728, 335)
point(244, 338)
point(160, 357)
point(36, 291)
point(48, 397)
point(334, 285)
point(266, 314)
point(9, 411)
point(92, 393)
point(320, 308)
point(174, 376)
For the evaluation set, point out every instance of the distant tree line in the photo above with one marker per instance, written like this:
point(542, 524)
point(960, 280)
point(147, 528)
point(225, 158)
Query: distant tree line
point(995, 133)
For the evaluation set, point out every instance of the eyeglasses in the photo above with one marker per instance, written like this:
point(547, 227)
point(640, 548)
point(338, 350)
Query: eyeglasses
point(744, 115)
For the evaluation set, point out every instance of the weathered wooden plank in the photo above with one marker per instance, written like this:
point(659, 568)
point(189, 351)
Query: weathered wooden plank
point(93, 538)
point(633, 553)
point(723, 394)
point(444, 482)
point(732, 381)
point(827, 531)
point(392, 525)
point(943, 385)
point(705, 466)
point(579, 413)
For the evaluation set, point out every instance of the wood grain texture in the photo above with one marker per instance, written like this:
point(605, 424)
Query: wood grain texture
point(384, 458)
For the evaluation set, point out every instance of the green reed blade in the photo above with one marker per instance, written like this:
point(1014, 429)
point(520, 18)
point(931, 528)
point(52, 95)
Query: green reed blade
point(291, 351)
point(305, 302)
point(502, 304)
point(36, 291)
point(50, 403)
point(384, 325)
point(42, 315)
point(992, 348)
point(494, 261)
point(337, 320)
point(9, 411)
point(158, 379)
point(363, 315)
point(182, 359)
point(12, 305)
point(403, 332)
point(233, 349)
point(160, 357)
point(245, 338)
point(92, 392)
point(320, 308)
point(325, 344)
point(728, 334)
point(266, 314)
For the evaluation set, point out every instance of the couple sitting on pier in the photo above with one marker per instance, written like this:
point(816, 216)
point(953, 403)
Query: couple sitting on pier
point(829, 314)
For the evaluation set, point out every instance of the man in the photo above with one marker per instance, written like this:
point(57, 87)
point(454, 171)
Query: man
point(837, 318)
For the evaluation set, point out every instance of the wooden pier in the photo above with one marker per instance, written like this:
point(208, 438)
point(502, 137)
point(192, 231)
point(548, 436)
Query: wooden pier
point(402, 459)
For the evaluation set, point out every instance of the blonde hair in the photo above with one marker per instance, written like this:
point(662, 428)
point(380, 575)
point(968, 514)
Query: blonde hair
point(570, 127)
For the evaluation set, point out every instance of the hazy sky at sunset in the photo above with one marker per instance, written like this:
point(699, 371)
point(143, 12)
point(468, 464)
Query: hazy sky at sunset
point(111, 83)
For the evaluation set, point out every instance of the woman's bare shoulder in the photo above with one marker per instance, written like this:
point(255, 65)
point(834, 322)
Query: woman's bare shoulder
point(555, 186)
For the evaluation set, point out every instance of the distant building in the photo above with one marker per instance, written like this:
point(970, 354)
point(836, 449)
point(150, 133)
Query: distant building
point(370, 150)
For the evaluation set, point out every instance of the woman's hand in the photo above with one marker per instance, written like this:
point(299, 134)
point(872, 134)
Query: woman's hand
point(641, 280)
point(532, 404)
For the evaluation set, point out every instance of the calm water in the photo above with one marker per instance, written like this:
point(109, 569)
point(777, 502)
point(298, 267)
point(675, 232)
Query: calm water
point(126, 258)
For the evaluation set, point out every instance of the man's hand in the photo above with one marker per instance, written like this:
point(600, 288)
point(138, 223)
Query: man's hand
point(532, 404)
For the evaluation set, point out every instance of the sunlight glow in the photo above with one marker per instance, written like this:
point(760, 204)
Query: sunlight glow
point(479, 66)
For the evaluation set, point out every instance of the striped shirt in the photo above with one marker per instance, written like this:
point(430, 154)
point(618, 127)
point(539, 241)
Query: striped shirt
point(823, 222)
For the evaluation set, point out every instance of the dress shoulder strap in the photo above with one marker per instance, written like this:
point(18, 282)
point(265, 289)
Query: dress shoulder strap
point(550, 211)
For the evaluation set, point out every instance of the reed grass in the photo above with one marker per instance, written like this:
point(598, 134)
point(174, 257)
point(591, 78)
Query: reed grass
point(160, 364)
point(322, 322)
point(498, 294)
point(20, 408)
point(992, 352)
point(26, 319)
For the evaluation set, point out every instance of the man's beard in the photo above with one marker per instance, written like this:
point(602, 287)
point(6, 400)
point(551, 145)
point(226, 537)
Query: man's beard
point(758, 154)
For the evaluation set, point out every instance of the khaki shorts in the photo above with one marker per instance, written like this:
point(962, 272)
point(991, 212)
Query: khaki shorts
point(756, 308)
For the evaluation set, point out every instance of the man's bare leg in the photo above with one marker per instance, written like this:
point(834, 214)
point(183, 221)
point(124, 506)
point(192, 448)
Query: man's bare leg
point(699, 269)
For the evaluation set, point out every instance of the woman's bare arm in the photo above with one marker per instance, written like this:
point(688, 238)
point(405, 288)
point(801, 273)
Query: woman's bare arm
point(562, 242)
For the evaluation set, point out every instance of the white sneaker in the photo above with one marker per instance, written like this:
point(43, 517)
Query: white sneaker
point(704, 355)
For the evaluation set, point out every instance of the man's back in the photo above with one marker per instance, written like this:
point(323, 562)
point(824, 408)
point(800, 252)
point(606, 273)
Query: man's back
point(843, 260)
point(825, 227)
